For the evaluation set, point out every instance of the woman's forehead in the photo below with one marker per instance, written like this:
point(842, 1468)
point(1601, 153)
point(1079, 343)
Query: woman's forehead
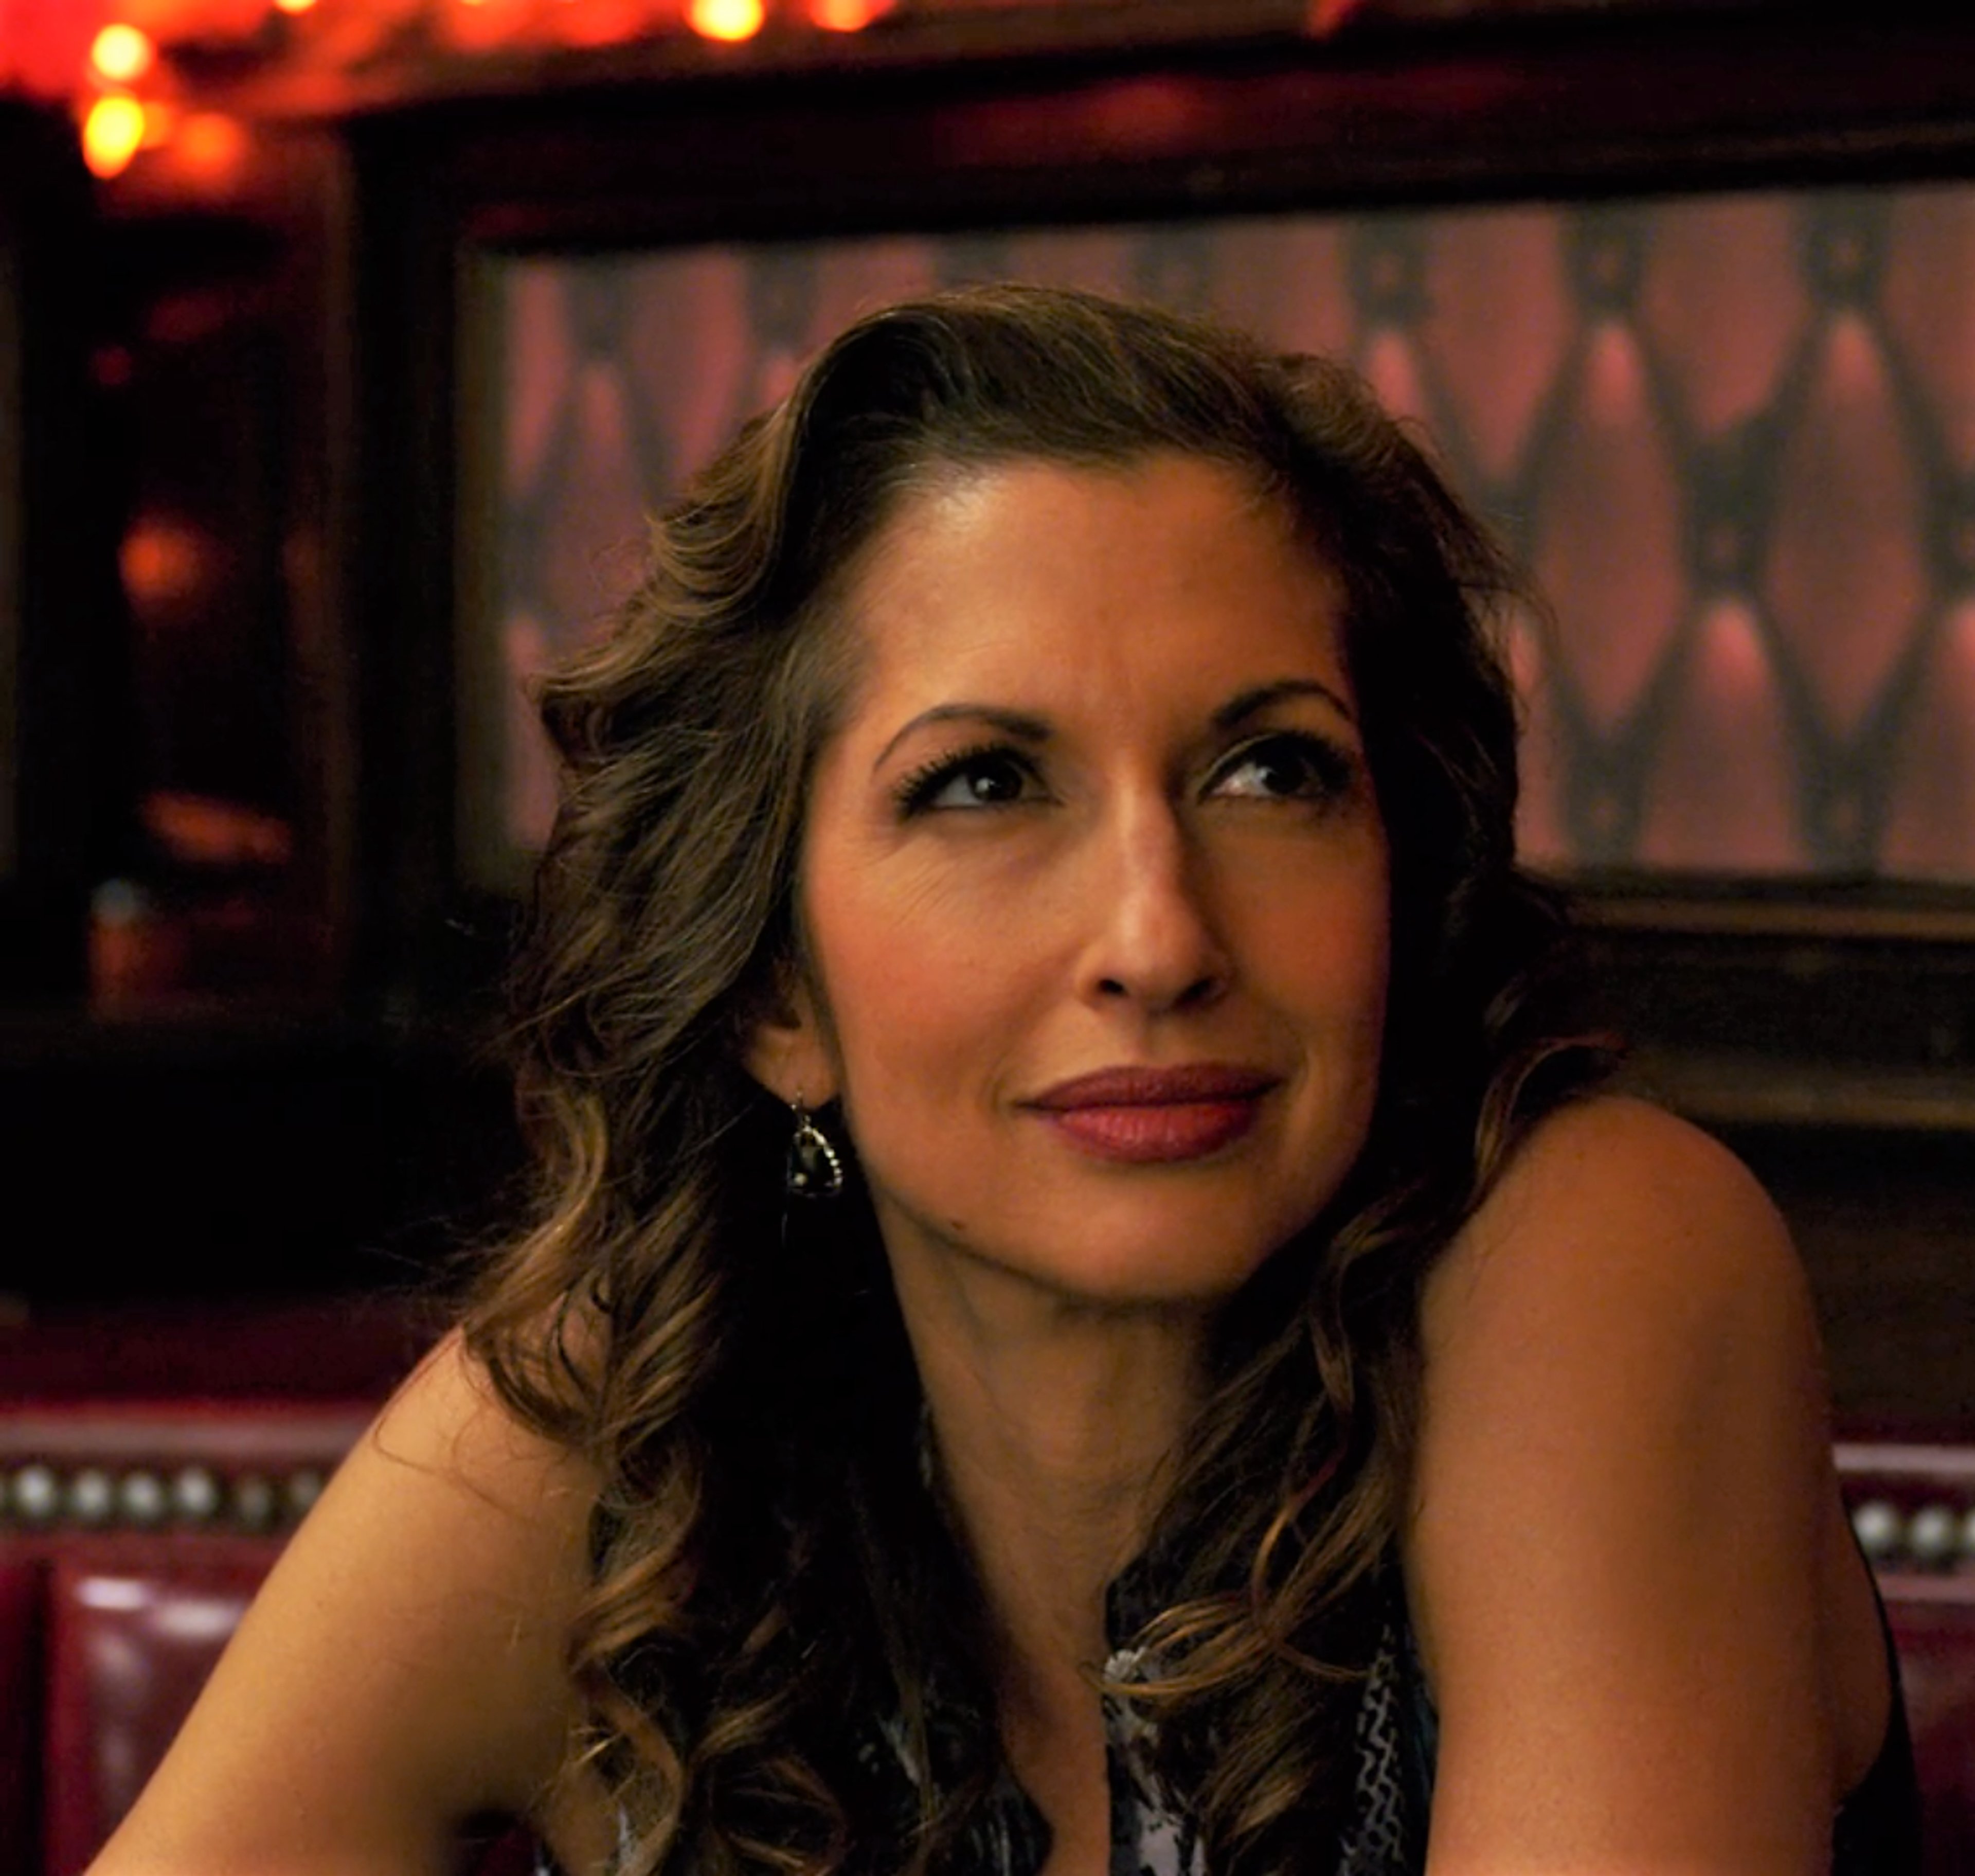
point(1012, 573)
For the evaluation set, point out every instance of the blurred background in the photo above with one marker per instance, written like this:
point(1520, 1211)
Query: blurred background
point(344, 342)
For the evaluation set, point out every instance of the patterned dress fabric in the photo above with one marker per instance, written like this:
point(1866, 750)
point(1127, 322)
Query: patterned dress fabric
point(1386, 1836)
point(1394, 1739)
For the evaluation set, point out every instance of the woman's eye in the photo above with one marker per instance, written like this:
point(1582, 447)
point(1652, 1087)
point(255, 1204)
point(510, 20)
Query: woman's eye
point(1287, 768)
point(985, 778)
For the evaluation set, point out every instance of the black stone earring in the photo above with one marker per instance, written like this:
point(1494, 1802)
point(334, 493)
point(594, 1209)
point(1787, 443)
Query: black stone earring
point(814, 1168)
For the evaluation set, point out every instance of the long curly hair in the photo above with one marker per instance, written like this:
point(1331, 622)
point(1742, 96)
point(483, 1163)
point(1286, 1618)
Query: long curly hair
point(773, 1575)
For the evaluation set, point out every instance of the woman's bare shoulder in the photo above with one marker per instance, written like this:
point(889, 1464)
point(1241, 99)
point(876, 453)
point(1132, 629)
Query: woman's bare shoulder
point(1611, 1207)
point(401, 1670)
point(1620, 1499)
point(1626, 1273)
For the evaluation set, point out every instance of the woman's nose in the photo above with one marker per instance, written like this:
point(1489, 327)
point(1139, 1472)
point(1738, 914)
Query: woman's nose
point(1155, 942)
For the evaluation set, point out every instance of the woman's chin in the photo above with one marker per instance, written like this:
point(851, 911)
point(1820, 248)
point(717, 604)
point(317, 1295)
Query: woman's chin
point(1110, 1266)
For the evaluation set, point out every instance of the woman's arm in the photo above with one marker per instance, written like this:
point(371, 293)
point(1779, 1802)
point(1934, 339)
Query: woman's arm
point(1631, 1579)
point(402, 1669)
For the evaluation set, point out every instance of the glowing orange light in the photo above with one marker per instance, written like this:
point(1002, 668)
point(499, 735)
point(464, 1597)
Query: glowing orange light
point(112, 134)
point(122, 54)
point(847, 15)
point(726, 19)
point(211, 144)
point(164, 563)
point(293, 6)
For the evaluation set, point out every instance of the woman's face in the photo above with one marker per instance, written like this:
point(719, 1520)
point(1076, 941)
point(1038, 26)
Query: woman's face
point(1094, 884)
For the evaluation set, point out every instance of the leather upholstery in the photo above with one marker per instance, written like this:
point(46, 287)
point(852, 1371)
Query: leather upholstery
point(133, 1536)
point(20, 1703)
point(115, 1601)
point(132, 1636)
point(1913, 1506)
point(1936, 1639)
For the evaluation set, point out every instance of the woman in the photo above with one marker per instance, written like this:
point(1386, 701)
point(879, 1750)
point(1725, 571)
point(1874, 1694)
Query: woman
point(1083, 1316)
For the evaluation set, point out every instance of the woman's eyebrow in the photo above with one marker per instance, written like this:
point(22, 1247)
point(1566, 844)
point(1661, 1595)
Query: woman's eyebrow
point(1252, 702)
point(1019, 724)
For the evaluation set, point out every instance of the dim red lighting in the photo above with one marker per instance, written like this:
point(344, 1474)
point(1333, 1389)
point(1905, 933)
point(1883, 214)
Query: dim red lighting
point(730, 20)
point(112, 134)
point(847, 15)
point(164, 563)
point(122, 54)
point(113, 367)
point(203, 831)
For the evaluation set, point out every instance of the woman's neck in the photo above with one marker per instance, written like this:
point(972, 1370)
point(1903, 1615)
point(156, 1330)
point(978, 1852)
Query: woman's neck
point(1057, 1422)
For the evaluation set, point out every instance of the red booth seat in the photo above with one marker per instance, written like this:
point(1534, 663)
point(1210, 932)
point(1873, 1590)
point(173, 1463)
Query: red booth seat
point(132, 1634)
point(1912, 1504)
point(133, 1536)
point(21, 1706)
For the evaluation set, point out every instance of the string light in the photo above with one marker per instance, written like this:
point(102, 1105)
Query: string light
point(123, 58)
point(731, 20)
point(112, 134)
point(121, 54)
point(847, 15)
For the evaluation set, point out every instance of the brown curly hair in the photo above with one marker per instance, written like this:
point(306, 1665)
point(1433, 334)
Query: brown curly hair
point(771, 1574)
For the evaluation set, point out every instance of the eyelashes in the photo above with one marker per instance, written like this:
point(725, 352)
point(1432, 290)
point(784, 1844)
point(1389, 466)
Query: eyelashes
point(984, 775)
point(1289, 766)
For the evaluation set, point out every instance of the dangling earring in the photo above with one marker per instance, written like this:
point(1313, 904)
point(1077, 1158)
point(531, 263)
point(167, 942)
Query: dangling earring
point(814, 1168)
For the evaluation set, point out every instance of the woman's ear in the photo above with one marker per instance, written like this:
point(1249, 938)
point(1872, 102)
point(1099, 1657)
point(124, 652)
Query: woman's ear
point(788, 1052)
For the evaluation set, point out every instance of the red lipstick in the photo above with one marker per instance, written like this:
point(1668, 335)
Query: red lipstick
point(1156, 1116)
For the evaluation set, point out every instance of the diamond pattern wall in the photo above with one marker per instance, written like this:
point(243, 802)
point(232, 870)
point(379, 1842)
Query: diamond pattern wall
point(1734, 438)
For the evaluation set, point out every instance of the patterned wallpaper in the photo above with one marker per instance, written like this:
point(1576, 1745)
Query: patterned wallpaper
point(1734, 436)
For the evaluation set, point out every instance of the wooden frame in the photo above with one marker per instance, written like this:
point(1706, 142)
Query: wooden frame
point(56, 707)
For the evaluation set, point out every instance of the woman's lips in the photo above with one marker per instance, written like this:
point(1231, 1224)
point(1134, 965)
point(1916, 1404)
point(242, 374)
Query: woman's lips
point(1147, 1117)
